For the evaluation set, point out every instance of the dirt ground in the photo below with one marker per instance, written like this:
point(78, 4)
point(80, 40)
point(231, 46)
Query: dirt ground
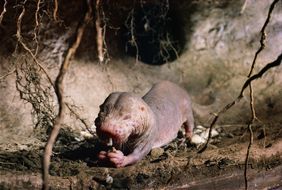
point(175, 166)
point(220, 40)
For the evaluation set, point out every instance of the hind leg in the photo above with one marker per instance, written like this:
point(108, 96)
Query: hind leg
point(189, 126)
point(188, 129)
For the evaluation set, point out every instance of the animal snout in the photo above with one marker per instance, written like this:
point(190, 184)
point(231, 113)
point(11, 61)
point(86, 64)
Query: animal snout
point(118, 133)
point(111, 131)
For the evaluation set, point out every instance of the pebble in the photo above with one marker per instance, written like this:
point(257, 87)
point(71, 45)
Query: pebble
point(205, 134)
point(197, 139)
point(201, 135)
point(109, 179)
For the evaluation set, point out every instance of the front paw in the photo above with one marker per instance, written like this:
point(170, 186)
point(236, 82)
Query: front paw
point(102, 155)
point(117, 158)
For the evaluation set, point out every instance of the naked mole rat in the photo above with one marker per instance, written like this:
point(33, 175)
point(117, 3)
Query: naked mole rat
point(136, 125)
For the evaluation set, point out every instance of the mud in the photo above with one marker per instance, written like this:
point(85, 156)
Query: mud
point(178, 166)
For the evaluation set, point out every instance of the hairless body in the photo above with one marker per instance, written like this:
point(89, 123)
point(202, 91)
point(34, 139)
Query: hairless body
point(136, 125)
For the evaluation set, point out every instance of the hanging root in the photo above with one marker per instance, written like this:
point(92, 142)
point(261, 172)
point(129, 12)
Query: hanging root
point(59, 86)
point(34, 87)
point(20, 40)
point(130, 24)
point(55, 12)
point(247, 83)
point(275, 63)
point(36, 28)
point(99, 30)
point(82, 120)
point(253, 115)
point(4, 11)
point(263, 35)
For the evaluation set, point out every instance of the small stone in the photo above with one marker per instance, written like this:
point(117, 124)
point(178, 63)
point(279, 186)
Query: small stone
point(23, 147)
point(214, 133)
point(109, 179)
point(200, 127)
point(205, 134)
point(198, 131)
point(197, 139)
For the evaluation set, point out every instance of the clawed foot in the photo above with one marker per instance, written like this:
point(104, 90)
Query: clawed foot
point(116, 157)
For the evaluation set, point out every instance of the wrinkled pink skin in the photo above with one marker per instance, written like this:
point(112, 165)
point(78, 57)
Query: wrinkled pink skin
point(137, 125)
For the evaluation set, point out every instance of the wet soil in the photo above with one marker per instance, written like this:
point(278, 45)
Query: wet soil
point(175, 166)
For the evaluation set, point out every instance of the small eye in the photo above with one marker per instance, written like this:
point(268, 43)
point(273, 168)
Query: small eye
point(126, 117)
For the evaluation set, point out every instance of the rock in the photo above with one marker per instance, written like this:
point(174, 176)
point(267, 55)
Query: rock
point(197, 139)
point(200, 127)
point(205, 134)
point(109, 179)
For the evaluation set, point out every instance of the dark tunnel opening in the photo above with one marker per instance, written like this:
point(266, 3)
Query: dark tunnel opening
point(154, 33)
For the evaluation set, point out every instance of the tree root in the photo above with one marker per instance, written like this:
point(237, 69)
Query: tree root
point(59, 90)
point(247, 83)
point(4, 11)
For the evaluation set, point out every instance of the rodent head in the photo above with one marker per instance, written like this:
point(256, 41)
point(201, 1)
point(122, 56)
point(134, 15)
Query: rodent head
point(120, 117)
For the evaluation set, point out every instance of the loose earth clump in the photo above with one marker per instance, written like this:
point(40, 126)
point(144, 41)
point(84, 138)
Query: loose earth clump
point(176, 165)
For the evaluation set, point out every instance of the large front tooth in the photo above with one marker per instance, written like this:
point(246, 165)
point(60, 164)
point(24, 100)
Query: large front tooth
point(110, 143)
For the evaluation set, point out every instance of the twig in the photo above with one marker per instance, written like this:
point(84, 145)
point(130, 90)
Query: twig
point(83, 121)
point(253, 117)
point(36, 28)
point(105, 49)
point(275, 63)
point(263, 35)
point(7, 74)
point(55, 13)
point(4, 11)
point(132, 41)
point(31, 90)
point(243, 6)
point(249, 80)
point(31, 86)
point(20, 40)
point(59, 86)
point(99, 30)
